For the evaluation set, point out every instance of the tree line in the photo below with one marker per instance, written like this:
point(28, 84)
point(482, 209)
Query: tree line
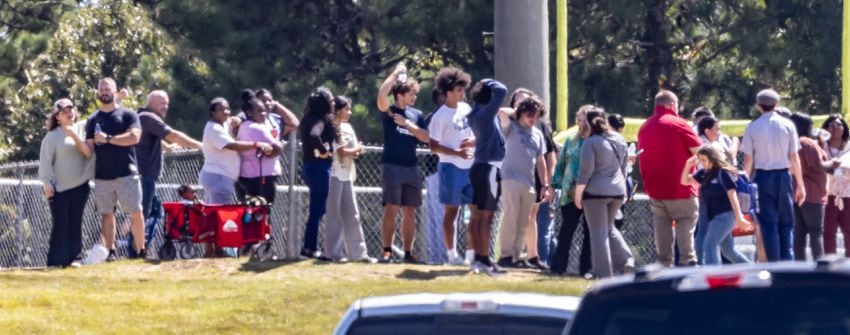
point(713, 53)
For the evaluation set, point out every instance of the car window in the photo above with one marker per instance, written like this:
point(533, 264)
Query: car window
point(799, 311)
point(466, 324)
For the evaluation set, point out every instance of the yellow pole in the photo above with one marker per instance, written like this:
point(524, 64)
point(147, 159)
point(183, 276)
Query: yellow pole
point(845, 60)
point(561, 66)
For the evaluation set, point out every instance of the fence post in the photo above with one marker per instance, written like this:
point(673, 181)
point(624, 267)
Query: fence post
point(291, 233)
point(19, 215)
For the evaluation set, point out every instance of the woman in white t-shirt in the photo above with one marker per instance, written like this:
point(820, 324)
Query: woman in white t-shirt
point(343, 233)
point(221, 155)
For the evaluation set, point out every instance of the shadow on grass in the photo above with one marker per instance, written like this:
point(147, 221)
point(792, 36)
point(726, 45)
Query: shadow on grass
point(411, 274)
point(263, 266)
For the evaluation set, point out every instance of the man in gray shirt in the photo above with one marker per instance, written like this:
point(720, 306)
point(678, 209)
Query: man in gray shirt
point(524, 148)
point(770, 148)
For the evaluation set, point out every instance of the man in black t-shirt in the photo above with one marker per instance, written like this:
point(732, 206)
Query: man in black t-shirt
point(149, 150)
point(112, 133)
point(401, 177)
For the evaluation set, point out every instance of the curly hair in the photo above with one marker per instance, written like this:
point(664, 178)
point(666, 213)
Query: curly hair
point(450, 77)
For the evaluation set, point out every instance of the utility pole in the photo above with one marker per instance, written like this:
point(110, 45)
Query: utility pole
point(522, 45)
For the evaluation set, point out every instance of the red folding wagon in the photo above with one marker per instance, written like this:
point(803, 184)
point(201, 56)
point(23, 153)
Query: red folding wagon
point(227, 226)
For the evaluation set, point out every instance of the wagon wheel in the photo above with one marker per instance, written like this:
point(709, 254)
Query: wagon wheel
point(167, 251)
point(188, 251)
point(264, 251)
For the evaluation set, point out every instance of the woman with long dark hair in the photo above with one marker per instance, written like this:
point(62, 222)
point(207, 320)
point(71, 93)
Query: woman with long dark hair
point(716, 182)
point(808, 216)
point(66, 187)
point(343, 233)
point(318, 133)
point(837, 213)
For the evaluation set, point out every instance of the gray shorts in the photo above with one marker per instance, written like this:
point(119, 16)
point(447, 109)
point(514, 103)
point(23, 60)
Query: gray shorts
point(126, 191)
point(402, 185)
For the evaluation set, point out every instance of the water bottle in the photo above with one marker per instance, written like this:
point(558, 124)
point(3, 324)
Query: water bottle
point(402, 76)
point(97, 129)
point(246, 219)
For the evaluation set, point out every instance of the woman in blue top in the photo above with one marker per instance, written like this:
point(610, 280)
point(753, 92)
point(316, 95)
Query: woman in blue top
point(716, 182)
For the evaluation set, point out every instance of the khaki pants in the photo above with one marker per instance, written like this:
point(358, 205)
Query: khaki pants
point(685, 212)
point(517, 199)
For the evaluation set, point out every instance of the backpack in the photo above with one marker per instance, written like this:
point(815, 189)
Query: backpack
point(747, 194)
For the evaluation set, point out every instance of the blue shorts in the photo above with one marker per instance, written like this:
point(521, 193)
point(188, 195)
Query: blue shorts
point(455, 188)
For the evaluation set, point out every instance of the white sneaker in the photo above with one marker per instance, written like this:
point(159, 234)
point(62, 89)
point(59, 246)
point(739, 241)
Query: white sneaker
point(458, 261)
point(477, 267)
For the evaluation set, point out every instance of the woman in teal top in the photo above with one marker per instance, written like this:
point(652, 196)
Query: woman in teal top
point(66, 186)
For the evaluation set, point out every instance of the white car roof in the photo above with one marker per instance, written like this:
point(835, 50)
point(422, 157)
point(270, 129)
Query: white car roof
point(514, 304)
point(488, 302)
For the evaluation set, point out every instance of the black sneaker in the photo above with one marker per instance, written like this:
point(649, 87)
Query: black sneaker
point(505, 262)
point(537, 264)
point(386, 257)
point(410, 259)
point(142, 254)
point(522, 264)
point(113, 256)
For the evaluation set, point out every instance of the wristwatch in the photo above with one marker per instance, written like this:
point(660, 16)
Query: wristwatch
point(108, 138)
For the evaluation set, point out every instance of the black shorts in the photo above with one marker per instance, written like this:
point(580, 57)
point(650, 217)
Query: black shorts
point(247, 187)
point(486, 182)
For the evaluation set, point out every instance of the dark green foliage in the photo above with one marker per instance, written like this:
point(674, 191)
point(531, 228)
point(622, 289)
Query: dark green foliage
point(714, 53)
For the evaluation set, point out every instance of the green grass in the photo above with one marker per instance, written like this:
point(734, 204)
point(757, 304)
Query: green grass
point(729, 127)
point(226, 295)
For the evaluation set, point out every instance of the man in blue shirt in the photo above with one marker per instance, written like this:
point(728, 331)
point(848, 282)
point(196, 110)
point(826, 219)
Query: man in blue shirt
point(488, 95)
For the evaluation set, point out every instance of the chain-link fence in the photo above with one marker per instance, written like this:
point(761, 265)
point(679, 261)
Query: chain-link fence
point(25, 217)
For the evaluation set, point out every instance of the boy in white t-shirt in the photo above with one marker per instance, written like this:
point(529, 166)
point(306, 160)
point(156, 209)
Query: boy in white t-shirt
point(343, 233)
point(453, 141)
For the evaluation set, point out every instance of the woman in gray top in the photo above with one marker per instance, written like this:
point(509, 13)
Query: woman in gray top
point(67, 187)
point(600, 191)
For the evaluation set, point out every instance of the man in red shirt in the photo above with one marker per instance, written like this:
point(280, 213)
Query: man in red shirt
point(667, 141)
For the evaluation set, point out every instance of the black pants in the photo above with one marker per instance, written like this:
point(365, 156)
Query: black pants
point(260, 186)
point(571, 216)
point(66, 238)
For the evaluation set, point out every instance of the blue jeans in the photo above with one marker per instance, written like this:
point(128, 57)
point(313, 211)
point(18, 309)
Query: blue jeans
point(545, 233)
point(148, 195)
point(714, 232)
point(317, 175)
point(776, 213)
